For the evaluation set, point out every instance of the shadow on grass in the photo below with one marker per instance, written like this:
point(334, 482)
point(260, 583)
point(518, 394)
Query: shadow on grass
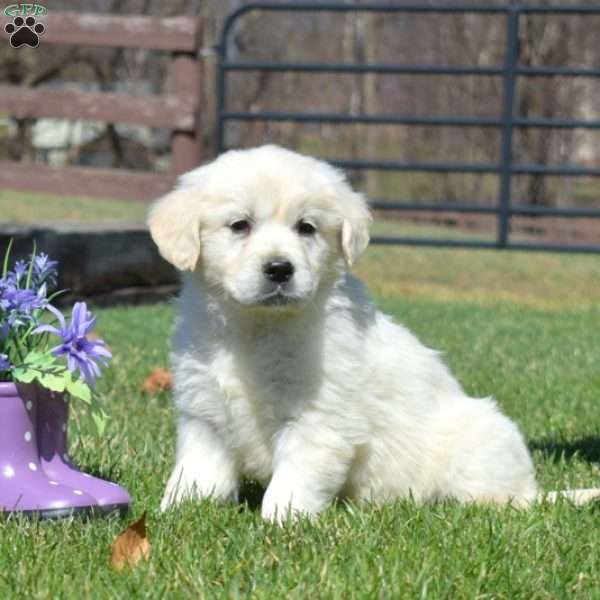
point(556, 450)
point(251, 495)
point(112, 474)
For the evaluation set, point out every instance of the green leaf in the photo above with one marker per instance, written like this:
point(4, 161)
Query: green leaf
point(25, 375)
point(40, 360)
point(55, 383)
point(51, 297)
point(79, 389)
point(27, 333)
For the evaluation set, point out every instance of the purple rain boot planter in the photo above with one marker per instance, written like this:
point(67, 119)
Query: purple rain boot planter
point(24, 486)
point(53, 415)
point(41, 349)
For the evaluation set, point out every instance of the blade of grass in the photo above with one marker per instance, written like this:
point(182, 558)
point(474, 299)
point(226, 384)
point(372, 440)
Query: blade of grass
point(6, 257)
point(30, 271)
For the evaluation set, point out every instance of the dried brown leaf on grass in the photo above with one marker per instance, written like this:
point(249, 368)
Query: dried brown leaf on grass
point(131, 546)
point(159, 380)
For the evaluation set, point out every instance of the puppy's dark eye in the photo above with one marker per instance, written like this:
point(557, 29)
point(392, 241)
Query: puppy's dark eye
point(240, 226)
point(305, 228)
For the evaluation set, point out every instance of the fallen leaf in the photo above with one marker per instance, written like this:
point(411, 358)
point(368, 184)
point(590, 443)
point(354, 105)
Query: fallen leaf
point(159, 380)
point(131, 546)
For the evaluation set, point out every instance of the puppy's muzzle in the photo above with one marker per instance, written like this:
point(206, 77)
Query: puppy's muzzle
point(278, 270)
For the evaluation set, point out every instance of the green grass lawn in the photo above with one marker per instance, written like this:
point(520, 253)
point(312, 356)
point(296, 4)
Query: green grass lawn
point(31, 207)
point(523, 327)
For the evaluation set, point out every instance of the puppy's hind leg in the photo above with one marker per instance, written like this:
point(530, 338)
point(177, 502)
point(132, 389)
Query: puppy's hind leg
point(203, 467)
point(489, 461)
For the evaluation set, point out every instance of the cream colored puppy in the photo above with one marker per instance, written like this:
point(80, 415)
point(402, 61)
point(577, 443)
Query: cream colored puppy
point(287, 373)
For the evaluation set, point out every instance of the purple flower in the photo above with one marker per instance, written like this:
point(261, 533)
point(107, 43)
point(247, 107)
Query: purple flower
point(43, 272)
point(4, 364)
point(19, 305)
point(5, 286)
point(26, 301)
point(44, 269)
point(20, 269)
point(18, 275)
point(81, 352)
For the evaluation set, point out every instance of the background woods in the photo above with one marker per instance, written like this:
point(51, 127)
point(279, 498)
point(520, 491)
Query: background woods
point(427, 39)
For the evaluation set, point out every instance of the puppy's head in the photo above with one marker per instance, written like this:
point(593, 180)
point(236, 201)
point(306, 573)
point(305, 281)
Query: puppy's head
point(264, 226)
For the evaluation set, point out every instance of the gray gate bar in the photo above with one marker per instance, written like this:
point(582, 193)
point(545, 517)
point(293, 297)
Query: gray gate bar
point(506, 169)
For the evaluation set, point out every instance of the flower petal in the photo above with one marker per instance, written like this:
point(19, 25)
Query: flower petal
point(58, 315)
point(47, 328)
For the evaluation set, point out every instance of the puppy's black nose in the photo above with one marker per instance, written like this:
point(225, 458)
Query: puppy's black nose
point(278, 270)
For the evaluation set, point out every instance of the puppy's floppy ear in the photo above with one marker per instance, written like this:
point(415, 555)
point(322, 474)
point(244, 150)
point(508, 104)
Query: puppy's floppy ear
point(174, 223)
point(354, 237)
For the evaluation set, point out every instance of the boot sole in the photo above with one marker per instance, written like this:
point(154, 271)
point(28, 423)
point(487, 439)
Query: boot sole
point(74, 511)
point(109, 509)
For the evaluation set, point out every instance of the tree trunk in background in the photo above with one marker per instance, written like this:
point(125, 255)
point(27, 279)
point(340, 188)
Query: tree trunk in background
point(360, 46)
point(543, 43)
point(368, 30)
point(350, 56)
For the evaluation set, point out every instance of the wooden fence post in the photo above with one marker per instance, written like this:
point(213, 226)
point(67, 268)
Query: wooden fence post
point(179, 110)
point(186, 145)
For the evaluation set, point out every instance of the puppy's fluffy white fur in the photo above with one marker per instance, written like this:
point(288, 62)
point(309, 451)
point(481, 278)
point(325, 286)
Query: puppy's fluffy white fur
point(302, 383)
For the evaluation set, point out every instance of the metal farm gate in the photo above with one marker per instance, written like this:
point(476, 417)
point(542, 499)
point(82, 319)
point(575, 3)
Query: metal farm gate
point(505, 169)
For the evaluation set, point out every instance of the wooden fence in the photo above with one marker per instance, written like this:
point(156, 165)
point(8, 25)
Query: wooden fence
point(178, 110)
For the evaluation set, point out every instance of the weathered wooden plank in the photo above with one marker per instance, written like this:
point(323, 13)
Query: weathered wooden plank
point(121, 31)
point(178, 112)
point(186, 146)
point(80, 181)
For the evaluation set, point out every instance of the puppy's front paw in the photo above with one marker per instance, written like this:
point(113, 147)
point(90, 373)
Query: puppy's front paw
point(186, 484)
point(178, 488)
point(277, 513)
point(284, 513)
point(280, 506)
